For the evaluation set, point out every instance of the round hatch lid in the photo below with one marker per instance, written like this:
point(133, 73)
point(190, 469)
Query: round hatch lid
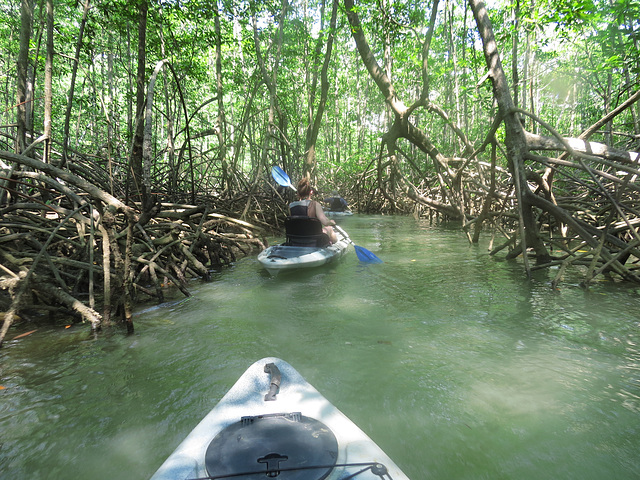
point(282, 446)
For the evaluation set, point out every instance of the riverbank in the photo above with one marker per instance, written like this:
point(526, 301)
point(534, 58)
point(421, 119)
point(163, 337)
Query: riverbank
point(71, 249)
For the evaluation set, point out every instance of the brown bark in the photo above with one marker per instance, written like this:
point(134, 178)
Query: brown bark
point(26, 19)
point(136, 161)
point(515, 139)
point(221, 120)
point(74, 71)
point(48, 78)
point(56, 246)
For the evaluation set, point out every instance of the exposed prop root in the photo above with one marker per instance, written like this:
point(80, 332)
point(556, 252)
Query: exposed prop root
point(52, 253)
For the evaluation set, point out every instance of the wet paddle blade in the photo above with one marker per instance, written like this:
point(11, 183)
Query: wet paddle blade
point(365, 255)
point(281, 177)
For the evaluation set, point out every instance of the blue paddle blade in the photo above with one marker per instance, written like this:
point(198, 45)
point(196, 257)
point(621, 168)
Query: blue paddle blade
point(365, 255)
point(281, 177)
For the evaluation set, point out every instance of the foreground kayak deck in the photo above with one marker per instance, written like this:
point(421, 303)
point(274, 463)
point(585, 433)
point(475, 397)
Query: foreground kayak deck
point(274, 424)
point(279, 258)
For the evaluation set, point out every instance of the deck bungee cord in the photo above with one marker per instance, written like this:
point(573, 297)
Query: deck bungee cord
point(376, 468)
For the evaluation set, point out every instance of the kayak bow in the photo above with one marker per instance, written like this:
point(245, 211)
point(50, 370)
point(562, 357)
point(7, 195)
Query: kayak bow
point(273, 424)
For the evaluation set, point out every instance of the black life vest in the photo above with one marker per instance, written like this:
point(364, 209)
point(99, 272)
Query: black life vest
point(300, 208)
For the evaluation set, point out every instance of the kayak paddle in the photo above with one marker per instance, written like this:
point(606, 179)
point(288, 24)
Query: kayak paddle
point(363, 254)
point(281, 177)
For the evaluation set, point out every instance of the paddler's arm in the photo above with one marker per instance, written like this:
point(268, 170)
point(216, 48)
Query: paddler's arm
point(322, 217)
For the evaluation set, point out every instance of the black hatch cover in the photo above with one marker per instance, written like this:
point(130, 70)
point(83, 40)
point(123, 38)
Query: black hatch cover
point(286, 446)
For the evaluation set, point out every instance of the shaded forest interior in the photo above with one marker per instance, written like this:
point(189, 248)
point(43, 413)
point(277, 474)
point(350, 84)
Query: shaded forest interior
point(138, 159)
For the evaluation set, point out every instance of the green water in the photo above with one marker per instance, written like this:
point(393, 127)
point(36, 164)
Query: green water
point(453, 362)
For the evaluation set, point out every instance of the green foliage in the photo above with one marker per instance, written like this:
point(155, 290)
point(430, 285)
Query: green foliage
point(571, 57)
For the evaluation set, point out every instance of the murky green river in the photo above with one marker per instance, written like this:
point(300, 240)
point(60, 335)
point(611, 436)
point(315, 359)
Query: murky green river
point(451, 360)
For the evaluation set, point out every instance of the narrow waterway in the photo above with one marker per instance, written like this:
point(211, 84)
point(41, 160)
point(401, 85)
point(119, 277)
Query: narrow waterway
point(451, 360)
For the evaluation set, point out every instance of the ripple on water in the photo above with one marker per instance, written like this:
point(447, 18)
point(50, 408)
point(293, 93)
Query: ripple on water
point(454, 362)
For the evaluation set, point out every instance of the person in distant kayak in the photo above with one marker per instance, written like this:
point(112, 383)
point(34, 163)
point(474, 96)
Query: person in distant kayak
point(310, 208)
point(336, 203)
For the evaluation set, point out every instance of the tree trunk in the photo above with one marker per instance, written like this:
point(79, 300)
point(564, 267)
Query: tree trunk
point(314, 123)
point(48, 75)
point(111, 113)
point(136, 161)
point(221, 121)
point(74, 71)
point(514, 54)
point(515, 136)
point(26, 20)
point(401, 127)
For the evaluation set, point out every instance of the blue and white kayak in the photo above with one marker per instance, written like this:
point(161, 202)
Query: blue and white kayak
point(274, 424)
point(279, 258)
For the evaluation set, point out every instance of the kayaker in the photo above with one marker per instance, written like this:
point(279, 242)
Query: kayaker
point(310, 208)
point(336, 203)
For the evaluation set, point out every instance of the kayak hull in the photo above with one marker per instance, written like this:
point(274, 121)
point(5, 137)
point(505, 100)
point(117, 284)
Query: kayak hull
point(279, 258)
point(247, 398)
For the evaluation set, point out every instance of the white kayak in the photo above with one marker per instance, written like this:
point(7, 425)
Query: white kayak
point(273, 424)
point(278, 258)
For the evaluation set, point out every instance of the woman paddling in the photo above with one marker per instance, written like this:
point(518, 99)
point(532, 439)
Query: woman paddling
point(306, 207)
